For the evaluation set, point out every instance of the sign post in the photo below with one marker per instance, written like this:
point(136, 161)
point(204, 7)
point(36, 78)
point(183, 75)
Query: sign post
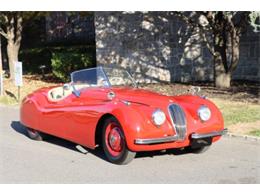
point(18, 76)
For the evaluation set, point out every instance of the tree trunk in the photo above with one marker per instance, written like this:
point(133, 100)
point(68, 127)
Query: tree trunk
point(12, 52)
point(14, 37)
point(1, 65)
point(1, 71)
point(222, 78)
point(222, 74)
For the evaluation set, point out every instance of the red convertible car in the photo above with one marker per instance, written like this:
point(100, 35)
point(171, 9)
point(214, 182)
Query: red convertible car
point(104, 107)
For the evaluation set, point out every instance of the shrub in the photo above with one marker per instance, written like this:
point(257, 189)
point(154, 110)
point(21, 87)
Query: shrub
point(63, 63)
point(33, 58)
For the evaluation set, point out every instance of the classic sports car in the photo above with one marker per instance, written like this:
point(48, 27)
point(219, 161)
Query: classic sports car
point(104, 107)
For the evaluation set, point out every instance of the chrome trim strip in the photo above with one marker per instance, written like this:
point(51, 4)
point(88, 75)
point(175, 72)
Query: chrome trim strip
point(176, 138)
point(212, 134)
point(156, 140)
point(180, 130)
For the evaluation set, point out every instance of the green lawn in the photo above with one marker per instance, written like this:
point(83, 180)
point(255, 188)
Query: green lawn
point(235, 112)
point(241, 116)
point(255, 132)
point(7, 100)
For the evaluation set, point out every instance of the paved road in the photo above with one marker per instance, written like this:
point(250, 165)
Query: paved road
point(231, 160)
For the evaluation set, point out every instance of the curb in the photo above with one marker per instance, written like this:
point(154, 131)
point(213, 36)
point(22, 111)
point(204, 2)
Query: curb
point(245, 137)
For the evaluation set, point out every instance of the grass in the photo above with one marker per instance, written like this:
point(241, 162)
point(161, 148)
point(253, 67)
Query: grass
point(240, 117)
point(30, 84)
point(255, 132)
point(237, 112)
point(7, 100)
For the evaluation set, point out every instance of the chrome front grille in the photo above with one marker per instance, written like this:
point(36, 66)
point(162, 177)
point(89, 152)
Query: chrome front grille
point(178, 120)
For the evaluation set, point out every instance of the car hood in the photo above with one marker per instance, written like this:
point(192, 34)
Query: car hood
point(153, 99)
point(141, 96)
point(189, 103)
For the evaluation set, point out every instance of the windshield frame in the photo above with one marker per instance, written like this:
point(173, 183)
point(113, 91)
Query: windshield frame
point(102, 69)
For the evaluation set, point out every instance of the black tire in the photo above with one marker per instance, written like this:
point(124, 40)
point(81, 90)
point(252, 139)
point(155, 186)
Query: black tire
point(125, 155)
point(33, 134)
point(198, 150)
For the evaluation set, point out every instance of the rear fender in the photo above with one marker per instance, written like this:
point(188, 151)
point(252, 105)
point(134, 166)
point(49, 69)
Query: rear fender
point(29, 113)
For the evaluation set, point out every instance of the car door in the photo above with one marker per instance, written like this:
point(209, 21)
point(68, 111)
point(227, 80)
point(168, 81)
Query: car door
point(83, 113)
point(55, 117)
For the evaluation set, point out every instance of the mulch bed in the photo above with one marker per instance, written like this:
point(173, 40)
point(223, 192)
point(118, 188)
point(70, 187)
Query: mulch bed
point(249, 92)
point(243, 92)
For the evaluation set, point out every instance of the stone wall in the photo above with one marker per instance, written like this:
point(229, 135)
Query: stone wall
point(156, 46)
point(249, 63)
point(69, 28)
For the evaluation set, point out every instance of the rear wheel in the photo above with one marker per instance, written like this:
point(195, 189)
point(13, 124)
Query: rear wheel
point(33, 134)
point(114, 143)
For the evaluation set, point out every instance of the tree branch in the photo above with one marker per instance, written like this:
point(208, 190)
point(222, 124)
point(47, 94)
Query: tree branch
point(2, 32)
point(242, 23)
point(205, 39)
point(190, 22)
point(19, 28)
point(185, 19)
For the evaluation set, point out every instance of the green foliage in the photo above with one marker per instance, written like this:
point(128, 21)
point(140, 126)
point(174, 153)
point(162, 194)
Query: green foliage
point(255, 132)
point(33, 58)
point(254, 19)
point(63, 63)
point(234, 113)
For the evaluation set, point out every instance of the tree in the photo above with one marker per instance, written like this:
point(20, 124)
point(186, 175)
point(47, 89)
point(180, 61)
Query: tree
point(11, 28)
point(221, 31)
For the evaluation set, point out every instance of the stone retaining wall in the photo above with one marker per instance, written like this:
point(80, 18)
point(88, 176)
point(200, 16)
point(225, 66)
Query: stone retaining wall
point(156, 46)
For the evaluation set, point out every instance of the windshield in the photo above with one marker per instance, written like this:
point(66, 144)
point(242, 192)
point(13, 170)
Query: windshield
point(102, 77)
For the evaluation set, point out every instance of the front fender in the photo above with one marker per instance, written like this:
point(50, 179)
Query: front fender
point(135, 120)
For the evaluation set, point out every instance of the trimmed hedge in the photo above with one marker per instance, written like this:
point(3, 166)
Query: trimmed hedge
point(33, 58)
point(60, 61)
point(63, 63)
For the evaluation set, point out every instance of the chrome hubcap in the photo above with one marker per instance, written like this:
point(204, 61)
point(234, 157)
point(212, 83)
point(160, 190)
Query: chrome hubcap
point(115, 140)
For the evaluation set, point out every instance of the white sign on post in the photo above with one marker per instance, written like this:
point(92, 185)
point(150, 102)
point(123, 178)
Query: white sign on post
point(18, 74)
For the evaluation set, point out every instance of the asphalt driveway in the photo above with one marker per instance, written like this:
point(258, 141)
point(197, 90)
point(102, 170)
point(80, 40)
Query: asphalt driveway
point(231, 160)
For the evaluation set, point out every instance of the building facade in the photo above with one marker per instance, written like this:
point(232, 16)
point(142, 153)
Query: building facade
point(158, 47)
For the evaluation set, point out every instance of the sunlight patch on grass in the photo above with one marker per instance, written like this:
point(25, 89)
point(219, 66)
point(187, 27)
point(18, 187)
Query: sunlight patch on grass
point(7, 100)
point(255, 132)
point(235, 112)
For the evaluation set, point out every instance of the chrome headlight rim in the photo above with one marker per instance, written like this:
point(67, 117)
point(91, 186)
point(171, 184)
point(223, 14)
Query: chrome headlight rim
point(158, 117)
point(204, 113)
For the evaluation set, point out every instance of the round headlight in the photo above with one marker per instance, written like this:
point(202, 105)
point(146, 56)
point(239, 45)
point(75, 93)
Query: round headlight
point(204, 113)
point(158, 117)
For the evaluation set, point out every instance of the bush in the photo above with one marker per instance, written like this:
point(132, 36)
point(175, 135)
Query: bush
point(58, 60)
point(33, 58)
point(63, 63)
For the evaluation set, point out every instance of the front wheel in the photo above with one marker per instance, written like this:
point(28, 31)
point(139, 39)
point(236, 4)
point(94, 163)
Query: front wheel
point(197, 150)
point(114, 143)
point(33, 134)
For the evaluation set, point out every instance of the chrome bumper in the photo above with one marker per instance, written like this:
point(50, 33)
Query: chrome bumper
point(212, 134)
point(176, 138)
